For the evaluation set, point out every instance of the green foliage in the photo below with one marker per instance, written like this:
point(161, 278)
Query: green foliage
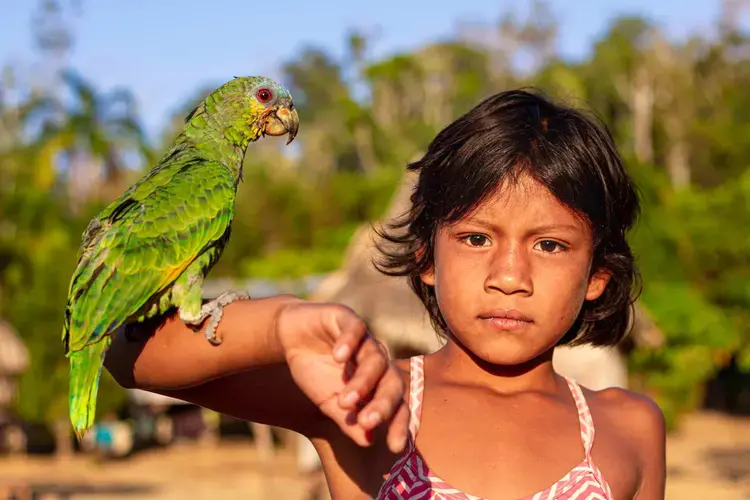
point(285, 227)
point(693, 252)
point(39, 244)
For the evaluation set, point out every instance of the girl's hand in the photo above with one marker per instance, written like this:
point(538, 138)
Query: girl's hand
point(344, 371)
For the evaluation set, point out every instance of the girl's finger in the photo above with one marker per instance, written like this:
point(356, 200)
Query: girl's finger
point(370, 365)
point(350, 332)
point(398, 430)
point(386, 400)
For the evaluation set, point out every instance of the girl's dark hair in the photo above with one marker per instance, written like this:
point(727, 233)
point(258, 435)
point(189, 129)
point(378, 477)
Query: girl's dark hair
point(504, 136)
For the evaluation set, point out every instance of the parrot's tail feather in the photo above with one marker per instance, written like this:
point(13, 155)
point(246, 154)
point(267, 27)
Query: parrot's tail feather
point(85, 373)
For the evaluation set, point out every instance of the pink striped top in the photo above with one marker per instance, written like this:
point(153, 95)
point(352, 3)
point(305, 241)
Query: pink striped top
point(411, 478)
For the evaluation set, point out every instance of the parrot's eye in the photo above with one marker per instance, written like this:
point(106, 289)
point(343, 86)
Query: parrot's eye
point(264, 95)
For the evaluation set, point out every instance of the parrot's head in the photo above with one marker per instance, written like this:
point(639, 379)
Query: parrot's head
point(245, 109)
point(266, 107)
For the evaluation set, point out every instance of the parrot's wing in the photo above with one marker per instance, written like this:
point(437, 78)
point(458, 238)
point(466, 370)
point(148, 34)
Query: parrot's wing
point(142, 243)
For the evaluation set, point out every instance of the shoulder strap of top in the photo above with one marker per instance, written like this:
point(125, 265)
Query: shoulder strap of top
point(416, 388)
point(584, 416)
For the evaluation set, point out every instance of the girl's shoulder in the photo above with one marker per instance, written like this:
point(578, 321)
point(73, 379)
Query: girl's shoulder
point(634, 412)
point(627, 421)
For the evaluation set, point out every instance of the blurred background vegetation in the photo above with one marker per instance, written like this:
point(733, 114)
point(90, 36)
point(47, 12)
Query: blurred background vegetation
point(680, 113)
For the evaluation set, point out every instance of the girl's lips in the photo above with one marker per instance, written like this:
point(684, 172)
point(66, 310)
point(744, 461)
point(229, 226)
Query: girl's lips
point(506, 319)
point(506, 314)
point(507, 324)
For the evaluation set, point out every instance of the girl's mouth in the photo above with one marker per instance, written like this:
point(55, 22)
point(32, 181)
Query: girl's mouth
point(506, 319)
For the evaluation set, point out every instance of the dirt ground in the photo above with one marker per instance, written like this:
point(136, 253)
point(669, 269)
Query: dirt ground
point(709, 459)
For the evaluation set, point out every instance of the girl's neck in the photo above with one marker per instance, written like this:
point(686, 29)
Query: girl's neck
point(459, 365)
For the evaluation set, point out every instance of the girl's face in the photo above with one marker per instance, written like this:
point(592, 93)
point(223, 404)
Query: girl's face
point(510, 279)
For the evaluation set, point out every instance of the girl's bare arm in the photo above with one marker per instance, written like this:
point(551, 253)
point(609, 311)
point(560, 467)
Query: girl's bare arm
point(175, 356)
point(642, 423)
point(177, 361)
point(249, 375)
point(650, 429)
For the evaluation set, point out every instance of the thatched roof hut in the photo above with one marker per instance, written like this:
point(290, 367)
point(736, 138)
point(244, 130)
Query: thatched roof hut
point(393, 312)
point(14, 359)
point(396, 316)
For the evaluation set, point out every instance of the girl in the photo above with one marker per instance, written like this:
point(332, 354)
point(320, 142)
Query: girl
point(515, 243)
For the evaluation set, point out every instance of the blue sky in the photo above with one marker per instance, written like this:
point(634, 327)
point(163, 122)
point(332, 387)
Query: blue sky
point(163, 50)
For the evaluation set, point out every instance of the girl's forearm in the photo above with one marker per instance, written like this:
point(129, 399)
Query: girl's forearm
point(175, 356)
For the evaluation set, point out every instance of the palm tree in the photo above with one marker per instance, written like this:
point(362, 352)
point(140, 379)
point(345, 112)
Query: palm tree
point(89, 137)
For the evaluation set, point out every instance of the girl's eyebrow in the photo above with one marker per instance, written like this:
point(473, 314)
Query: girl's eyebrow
point(545, 228)
point(554, 227)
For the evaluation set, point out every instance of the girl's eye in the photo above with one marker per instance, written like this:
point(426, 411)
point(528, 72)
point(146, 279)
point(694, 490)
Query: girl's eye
point(476, 240)
point(549, 246)
point(264, 95)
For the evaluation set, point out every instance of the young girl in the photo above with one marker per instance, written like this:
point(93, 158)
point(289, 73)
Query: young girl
point(515, 244)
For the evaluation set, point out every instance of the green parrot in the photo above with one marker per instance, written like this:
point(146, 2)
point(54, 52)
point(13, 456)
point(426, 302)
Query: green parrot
point(151, 249)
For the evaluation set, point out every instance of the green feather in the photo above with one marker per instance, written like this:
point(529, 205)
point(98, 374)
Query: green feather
point(136, 256)
point(85, 373)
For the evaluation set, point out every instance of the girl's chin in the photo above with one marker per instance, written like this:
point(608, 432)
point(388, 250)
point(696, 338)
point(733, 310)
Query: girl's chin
point(507, 349)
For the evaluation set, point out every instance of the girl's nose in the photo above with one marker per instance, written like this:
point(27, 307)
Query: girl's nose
point(509, 271)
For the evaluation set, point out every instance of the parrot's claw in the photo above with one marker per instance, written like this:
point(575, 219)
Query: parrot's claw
point(215, 309)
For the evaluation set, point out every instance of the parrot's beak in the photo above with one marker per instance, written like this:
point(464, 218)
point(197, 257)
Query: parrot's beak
point(284, 120)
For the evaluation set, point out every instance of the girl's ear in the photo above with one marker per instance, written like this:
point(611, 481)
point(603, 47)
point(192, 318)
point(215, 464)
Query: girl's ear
point(597, 283)
point(427, 277)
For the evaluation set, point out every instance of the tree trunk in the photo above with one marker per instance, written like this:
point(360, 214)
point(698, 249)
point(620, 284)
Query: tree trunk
point(642, 107)
point(675, 100)
point(677, 163)
point(363, 145)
